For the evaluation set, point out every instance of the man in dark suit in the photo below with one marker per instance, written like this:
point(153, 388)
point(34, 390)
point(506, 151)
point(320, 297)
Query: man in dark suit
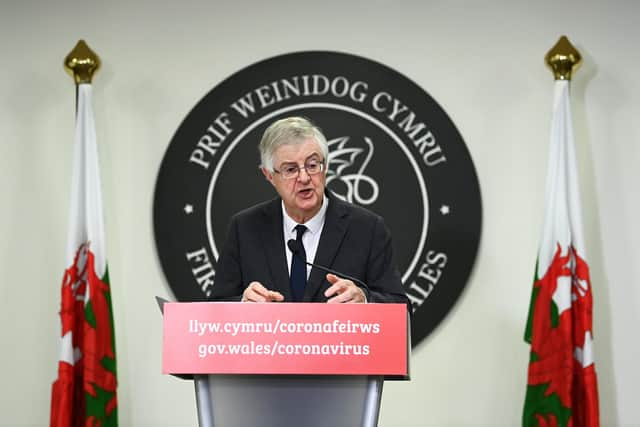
point(257, 265)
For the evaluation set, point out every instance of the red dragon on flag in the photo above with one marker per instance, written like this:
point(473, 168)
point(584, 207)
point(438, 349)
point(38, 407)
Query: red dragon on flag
point(562, 386)
point(90, 379)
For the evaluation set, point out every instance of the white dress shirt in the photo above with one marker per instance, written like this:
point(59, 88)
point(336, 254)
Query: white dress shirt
point(311, 237)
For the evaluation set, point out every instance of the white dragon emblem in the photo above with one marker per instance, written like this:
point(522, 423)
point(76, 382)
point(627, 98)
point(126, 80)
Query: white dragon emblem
point(346, 178)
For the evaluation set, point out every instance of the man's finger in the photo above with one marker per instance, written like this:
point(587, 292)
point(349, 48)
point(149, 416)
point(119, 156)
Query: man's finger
point(255, 292)
point(275, 296)
point(251, 296)
point(334, 289)
point(344, 291)
point(332, 278)
point(259, 289)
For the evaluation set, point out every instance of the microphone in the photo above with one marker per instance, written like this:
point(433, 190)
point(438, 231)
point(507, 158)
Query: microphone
point(296, 249)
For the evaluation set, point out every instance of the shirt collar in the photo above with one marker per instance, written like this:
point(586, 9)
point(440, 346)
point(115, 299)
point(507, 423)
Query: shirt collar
point(314, 225)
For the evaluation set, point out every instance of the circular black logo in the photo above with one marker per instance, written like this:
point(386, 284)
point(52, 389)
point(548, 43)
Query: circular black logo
point(393, 150)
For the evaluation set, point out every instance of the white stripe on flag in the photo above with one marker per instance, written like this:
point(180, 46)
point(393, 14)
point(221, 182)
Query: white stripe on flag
point(562, 221)
point(86, 222)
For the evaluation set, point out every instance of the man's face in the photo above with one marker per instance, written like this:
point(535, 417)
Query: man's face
point(302, 195)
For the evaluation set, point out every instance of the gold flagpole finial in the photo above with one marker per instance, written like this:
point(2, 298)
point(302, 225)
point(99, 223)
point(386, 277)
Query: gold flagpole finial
point(563, 59)
point(81, 63)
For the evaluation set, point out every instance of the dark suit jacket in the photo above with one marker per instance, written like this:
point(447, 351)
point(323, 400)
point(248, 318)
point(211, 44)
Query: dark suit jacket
point(354, 241)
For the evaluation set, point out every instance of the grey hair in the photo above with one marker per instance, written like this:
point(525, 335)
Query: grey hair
point(290, 130)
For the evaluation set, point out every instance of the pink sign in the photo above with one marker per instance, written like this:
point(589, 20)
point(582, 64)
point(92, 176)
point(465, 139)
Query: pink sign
point(287, 338)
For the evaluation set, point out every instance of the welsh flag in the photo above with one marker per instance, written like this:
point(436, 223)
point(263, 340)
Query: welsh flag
point(84, 394)
point(562, 387)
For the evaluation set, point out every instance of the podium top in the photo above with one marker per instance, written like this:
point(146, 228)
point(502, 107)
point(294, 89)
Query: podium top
point(285, 339)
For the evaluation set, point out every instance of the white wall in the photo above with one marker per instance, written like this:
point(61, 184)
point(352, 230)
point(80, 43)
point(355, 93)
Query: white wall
point(482, 61)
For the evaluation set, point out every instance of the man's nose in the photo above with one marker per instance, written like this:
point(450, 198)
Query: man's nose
point(303, 175)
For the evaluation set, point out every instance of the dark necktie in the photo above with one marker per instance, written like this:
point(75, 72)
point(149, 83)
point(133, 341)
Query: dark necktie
point(298, 278)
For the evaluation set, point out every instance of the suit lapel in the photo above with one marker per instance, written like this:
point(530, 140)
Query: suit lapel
point(335, 226)
point(273, 242)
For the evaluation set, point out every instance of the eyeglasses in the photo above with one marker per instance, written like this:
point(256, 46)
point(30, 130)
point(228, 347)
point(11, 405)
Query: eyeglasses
point(292, 170)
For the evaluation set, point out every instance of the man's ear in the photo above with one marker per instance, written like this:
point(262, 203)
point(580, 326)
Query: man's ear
point(268, 175)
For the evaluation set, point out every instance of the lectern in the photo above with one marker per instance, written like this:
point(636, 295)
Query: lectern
point(286, 364)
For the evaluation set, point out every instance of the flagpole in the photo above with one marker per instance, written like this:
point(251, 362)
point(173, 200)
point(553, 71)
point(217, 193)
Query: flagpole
point(563, 59)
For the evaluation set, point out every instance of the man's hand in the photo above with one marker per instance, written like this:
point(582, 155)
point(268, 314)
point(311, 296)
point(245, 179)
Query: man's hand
point(255, 292)
point(343, 291)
